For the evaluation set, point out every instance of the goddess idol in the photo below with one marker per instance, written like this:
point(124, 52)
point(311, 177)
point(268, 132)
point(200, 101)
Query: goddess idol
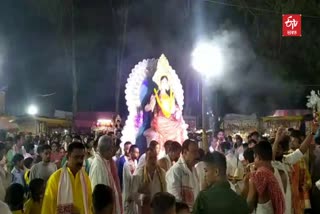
point(154, 96)
point(167, 122)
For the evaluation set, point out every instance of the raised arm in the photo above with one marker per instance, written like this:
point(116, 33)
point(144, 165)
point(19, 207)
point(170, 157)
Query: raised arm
point(298, 154)
point(279, 136)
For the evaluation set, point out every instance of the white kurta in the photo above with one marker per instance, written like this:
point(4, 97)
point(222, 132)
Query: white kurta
point(142, 160)
point(183, 183)
point(155, 184)
point(100, 173)
point(128, 169)
point(234, 166)
point(201, 173)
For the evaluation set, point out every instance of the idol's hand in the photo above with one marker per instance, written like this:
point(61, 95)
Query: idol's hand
point(153, 101)
point(150, 106)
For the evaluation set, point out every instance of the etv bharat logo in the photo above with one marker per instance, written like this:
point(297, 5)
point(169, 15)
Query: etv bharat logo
point(291, 25)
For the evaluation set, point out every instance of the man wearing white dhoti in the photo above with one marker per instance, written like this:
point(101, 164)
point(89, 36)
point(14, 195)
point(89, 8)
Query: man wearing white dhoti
point(147, 181)
point(182, 179)
point(104, 171)
point(128, 169)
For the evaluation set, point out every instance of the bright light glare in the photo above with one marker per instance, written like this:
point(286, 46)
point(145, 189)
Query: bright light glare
point(32, 110)
point(104, 122)
point(207, 59)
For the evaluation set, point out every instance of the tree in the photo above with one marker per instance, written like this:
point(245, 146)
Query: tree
point(121, 20)
point(63, 15)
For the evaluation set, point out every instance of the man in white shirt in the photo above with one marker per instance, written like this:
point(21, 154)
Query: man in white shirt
point(147, 181)
point(182, 179)
point(104, 171)
point(129, 168)
point(172, 156)
point(153, 145)
point(122, 160)
point(45, 168)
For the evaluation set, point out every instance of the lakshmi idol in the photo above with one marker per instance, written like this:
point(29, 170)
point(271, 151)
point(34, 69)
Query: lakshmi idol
point(167, 122)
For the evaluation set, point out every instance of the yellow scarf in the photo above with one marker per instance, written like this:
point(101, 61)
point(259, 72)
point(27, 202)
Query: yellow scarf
point(27, 176)
point(166, 112)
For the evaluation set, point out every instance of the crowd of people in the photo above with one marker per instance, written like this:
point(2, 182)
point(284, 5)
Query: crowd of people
point(74, 174)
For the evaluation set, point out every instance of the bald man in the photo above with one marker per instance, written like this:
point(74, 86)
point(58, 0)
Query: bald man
point(104, 171)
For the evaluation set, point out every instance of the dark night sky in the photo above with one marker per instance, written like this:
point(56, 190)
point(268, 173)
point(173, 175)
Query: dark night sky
point(33, 60)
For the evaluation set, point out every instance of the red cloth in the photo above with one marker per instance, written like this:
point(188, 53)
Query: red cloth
point(114, 172)
point(168, 128)
point(264, 180)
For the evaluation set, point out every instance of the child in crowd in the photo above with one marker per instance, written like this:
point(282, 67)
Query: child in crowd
point(18, 169)
point(102, 199)
point(34, 204)
point(14, 198)
point(182, 208)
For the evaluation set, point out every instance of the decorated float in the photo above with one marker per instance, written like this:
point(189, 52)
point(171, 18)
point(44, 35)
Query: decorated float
point(154, 97)
point(107, 125)
point(240, 124)
point(286, 118)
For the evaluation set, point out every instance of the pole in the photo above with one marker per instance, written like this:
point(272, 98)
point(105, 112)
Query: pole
point(204, 127)
point(73, 68)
